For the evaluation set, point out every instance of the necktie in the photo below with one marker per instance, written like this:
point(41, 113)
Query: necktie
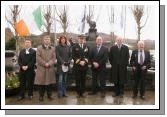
point(141, 58)
point(98, 48)
point(81, 46)
point(119, 47)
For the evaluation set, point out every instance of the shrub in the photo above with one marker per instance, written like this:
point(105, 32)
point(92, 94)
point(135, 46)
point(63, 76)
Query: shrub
point(11, 81)
point(11, 44)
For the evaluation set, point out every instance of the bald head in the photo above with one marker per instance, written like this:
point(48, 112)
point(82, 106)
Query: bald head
point(99, 40)
point(140, 45)
point(119, 40)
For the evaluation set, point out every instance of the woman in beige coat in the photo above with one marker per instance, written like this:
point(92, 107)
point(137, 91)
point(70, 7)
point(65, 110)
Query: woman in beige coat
point(45, 74)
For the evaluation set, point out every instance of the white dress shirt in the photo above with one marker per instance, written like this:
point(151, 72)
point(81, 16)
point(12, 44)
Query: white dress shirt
point(143, 55)
point(27, 51)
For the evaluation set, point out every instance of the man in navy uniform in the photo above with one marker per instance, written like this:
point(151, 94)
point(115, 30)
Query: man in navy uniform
point(80, 53)
point(140, 62)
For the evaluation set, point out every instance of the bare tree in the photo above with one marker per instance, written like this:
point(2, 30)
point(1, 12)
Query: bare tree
point(48, 18)
point(13, 19)
point(63, 18)
point(138, 12)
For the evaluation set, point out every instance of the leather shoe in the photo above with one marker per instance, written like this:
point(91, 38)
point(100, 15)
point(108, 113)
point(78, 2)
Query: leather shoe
point(115, 95)
point(142, 97)
point(121, 95)
point(50, 98)
point(20, 98)
point(65, 96)
point(82, 95)
point(102, 95)
point(78, 96)
point(134, 96)
point(92, 93)
point(40, 98)
point(59, 96)
point(30, 97)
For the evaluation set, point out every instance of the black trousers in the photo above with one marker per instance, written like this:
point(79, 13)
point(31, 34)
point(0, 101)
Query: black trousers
point(42, 89)
point(98, 81)
point(26, 79)
point(139, 82)
point(118, 86)
point(80, 77)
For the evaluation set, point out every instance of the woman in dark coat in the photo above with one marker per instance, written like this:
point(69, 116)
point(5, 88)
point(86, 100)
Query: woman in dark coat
point(63, 55)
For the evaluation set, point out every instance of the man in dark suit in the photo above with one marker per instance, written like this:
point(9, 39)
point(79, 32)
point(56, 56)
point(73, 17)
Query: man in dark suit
point(119, 60)
point(80, 54)
point(140, 62)
point(26, 60)
point(98, 57)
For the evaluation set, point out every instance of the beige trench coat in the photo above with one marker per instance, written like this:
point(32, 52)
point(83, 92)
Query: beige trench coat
point(45, 76)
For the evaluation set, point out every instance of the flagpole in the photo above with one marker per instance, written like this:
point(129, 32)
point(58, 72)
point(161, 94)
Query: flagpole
point(55, 36)
point(125, 26)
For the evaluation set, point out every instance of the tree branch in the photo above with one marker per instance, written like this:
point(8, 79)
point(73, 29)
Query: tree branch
point(146, 19)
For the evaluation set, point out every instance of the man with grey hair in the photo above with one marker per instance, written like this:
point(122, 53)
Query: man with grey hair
point(140, 62)
point(119, 60)
point(98, 58)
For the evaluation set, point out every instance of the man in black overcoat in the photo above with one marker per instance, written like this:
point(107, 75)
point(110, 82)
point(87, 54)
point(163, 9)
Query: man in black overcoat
point(119, 60)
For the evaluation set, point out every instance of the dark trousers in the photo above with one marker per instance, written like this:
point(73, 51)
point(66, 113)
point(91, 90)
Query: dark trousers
point(98, 81)
point(139, 81)
point(80, 77)
point(42, 90)
point(118, 86)
point(26, 79)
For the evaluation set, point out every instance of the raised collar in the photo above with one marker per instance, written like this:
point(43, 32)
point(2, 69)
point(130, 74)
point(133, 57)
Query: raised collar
point(49, 47)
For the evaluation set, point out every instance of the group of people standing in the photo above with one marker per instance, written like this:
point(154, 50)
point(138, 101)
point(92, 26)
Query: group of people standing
point(41, 65)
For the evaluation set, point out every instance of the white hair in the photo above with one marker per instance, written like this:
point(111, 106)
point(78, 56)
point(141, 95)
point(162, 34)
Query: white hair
point(99, 37)
point(141, 41)
point(119, 37)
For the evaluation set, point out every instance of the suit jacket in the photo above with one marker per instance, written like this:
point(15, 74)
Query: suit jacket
point(101, 58)
point(27, 59)
point(134, 59)
point(80, 54)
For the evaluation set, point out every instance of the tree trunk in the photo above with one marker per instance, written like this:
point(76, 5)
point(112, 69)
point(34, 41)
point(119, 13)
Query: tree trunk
point(138, 31)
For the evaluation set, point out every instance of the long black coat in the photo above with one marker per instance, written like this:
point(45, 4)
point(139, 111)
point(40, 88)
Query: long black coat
point(79, 54)
point(63, 54)
point(101, 58)
point(120, 57)
point(27, 60)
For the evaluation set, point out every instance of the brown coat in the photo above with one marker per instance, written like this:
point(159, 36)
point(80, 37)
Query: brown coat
point(45, 76)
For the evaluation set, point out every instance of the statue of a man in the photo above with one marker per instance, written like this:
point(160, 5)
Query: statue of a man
point(92, 34)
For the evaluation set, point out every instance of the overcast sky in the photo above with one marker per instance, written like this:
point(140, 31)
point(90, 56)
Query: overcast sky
point(101, 17)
